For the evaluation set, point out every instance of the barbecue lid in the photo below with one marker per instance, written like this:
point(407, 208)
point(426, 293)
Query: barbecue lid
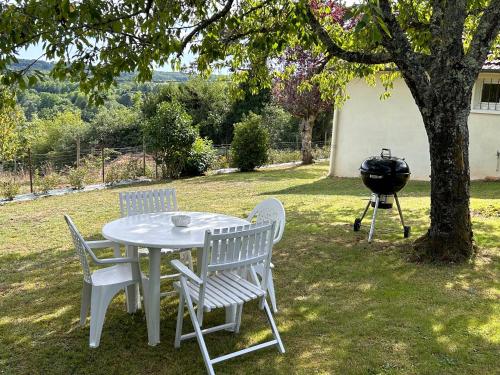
point(385, 164)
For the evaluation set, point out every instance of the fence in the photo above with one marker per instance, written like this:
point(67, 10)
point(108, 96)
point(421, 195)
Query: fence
point(41, 172)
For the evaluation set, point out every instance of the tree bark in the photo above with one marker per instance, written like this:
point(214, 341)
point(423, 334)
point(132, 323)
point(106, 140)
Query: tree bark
point(306, 127)
point(449, 238)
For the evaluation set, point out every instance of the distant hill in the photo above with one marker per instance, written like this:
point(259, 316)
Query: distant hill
point(158, 76)
point(39, 65)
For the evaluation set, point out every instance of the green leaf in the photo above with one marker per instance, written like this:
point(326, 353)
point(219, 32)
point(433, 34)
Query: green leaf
point(383, 26)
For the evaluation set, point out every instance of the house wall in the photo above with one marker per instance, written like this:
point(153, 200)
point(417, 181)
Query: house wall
point(365, 124)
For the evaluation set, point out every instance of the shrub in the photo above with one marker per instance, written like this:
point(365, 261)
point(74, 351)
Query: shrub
point(9, 189)
point(283, 156)
point(250, 143)
point(321, 152)
point(132, 169)
point(220, 162)
point(170, 135)
point(113, 174)
point(77, 177)
point(123, 168)
point(50, 180)
point(201, 157)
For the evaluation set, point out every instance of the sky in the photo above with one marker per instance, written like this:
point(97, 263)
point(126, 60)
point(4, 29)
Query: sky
point(35, 51)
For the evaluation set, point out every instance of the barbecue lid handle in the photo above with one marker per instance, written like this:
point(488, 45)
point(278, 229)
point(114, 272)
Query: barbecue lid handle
point(385, 153)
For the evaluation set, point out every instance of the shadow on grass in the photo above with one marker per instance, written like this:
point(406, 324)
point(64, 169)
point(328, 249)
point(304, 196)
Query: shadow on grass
point(347, 186)
point(339, 299)
point(354, 186)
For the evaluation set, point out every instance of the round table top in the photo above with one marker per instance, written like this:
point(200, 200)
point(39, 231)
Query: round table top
point(156, 230)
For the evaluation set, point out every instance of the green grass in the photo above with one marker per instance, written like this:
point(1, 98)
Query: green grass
point(346, 307)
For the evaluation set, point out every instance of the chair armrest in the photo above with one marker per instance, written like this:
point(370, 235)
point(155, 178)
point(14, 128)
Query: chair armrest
point(102, 244)
point(185, 271)
point(115, 260)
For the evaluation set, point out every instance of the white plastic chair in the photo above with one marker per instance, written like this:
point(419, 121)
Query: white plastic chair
point(100, 286)
point(228, 261)
point(151, 201)
point(270, 210)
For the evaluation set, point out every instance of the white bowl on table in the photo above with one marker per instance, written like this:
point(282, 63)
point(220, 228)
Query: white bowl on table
point(181, 220)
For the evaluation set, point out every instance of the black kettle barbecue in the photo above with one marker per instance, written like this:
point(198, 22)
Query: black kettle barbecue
point(385, 176)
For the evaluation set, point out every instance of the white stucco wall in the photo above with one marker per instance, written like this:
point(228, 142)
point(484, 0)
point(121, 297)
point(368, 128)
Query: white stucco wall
point(365, 124)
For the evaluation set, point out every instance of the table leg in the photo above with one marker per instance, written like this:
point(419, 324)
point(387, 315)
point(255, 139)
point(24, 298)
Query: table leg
point(153, 298)
point(132, 291)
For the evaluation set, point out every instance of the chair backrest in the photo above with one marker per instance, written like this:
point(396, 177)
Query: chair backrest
point(81, 249)
point(236, 249)
point(270, 210)
point(143, 202)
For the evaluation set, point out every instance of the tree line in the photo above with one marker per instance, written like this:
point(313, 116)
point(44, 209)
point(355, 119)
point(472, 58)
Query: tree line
point(55, 116)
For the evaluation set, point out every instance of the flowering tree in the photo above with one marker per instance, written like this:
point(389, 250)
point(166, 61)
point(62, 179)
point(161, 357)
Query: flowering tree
point(294, 90)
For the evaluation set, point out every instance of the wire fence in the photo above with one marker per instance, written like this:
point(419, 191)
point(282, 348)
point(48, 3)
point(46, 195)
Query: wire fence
point(77, 167)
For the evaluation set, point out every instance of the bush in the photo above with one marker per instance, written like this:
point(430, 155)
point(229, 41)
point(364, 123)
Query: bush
point(221, 162)
point(9, 189)
point(170, 135)
point(283, 156)
point(77, 177)
point(133, 169)
point(250, 143)
point(123, 168)
point(201, 157)
point(113, 174)
point(50, 180)
point(321, 152)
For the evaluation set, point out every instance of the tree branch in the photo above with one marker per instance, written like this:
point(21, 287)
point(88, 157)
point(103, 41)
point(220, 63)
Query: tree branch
point(335, 50)
point(412, 65)
point(453, 26)
point(486, 32)
point(233, 37)
point(205, 23)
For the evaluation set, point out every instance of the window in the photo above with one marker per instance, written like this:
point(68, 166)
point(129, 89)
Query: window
point(490, 95)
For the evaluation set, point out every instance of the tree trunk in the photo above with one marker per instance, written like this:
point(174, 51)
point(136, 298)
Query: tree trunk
point(449, 238)
point(306, 127)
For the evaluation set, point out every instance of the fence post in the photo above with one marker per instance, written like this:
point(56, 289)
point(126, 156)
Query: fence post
point(143, 157)
point(30, 167)
point(102, 161)
point(78, 152)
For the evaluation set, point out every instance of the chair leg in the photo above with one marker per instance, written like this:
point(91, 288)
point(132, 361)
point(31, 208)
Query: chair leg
point(133, 298)
point(133, 295)
point(86, 295)
point(274, 329)
point(271, 292)
point(239, 313)
point(197, 329)
point(101, 297)
point(231, 316)
point(180, 318)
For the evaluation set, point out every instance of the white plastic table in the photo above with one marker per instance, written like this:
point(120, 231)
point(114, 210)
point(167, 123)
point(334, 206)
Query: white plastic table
point(156, 231)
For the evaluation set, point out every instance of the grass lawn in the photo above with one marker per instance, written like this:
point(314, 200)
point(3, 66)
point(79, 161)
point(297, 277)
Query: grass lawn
point(346, 307)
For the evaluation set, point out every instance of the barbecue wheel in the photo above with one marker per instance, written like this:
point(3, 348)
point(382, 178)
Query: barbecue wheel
point(357, 224)
point(407, 231)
